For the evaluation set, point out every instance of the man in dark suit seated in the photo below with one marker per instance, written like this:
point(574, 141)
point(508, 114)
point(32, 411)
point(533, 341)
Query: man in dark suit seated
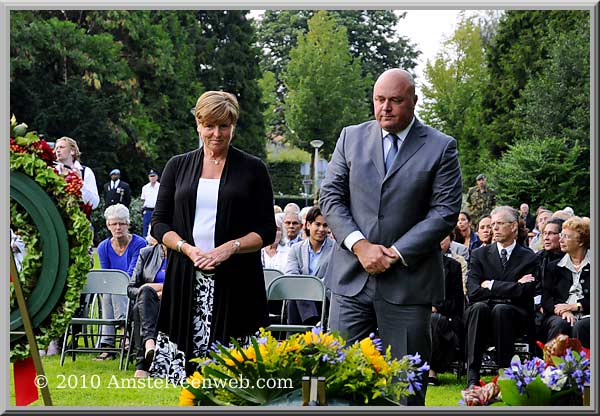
point(500, 287)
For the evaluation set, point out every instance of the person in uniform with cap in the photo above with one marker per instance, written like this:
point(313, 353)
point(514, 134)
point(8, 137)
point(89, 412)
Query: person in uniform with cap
point(149, 194)
point(480, 199)
point(116, 191)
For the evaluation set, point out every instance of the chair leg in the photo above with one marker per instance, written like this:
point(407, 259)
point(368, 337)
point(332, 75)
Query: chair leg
point(62, 354)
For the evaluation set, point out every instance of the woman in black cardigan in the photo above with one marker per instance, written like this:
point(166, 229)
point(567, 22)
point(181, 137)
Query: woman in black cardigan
point(214, 212)
point(145, 291)
point(566, 296)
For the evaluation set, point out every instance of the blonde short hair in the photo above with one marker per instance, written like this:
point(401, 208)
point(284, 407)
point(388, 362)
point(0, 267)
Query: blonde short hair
point(581, 225)
point(217, 107)
point(73, 146)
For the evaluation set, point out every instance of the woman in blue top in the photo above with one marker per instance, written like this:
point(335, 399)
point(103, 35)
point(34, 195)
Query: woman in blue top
point(120, 252)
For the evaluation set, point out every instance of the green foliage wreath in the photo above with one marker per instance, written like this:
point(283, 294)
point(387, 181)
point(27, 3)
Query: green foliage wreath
point(33, 157)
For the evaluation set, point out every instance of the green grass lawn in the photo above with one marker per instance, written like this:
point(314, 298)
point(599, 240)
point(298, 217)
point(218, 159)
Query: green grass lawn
point(85, 382)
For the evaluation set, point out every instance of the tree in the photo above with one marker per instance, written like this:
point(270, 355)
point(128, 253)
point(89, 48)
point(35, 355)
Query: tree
point(556, 102)
point(453, 95)
point(122, 82)
point(325, 87)
point(372, 40)
point(543, 171)
point(518, 52)
point(228, 60)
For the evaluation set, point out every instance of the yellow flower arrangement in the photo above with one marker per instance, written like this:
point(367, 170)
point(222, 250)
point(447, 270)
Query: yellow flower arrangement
point(373, 355)
point(359, 373)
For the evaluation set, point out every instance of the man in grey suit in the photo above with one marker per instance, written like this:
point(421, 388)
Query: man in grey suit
point(392, 192)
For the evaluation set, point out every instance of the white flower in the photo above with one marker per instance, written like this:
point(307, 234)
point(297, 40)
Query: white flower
point(554, 378)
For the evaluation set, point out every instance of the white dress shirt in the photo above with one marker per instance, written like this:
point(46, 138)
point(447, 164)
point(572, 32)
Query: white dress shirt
point(357, 235)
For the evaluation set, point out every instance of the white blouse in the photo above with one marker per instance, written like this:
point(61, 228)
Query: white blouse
point(206, 213)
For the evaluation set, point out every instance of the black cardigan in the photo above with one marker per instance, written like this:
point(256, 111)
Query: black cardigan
point(245, 204)
point(558, 281)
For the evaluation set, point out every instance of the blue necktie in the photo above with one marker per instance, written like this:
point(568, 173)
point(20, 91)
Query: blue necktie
point(392, 152)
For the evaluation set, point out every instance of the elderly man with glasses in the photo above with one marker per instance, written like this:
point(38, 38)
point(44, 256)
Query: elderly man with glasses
point(500, 288)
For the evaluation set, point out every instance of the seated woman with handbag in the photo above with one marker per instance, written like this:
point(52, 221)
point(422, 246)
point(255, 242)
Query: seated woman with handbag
point(145, 291)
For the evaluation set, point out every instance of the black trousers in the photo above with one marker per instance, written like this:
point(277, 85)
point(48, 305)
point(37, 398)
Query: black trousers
point(145, 317)
point(407, 328)
point(554, 325)
point(581, 331)
point(445, 342)
point(496, 323)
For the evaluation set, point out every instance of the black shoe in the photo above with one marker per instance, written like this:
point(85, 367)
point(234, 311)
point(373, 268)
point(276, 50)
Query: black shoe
point(148, 357)
point(433, 381)
point(473, 377)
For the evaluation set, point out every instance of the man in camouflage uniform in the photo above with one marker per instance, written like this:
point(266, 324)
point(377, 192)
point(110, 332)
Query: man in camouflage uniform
point(480, 200)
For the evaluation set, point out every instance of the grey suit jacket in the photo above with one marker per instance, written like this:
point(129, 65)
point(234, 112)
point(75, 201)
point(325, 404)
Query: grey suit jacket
point(413, 207)
point(298, 262)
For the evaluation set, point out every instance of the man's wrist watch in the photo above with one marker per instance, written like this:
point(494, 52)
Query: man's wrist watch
point(237, 245)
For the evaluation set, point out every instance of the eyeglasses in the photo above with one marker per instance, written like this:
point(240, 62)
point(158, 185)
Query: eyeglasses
point(115, 224)
point(567, 236)
point(500, 223)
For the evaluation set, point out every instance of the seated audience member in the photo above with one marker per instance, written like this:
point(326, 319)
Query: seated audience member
point(120, 252)
point(566, 296)
point(500, 288)
point(277, 209)
point(445, 245)
point(522, 235)
point(464, 233)
point(550, 253)
point(274, 256)
point(484, 230)
point(446, 318)
point(18, 249)
point(527, 217)
point(311, 257)
point(537, 242)
point(291, 207)
point(303, 213)
point(291, 228)
point(145, 291)
point(561, 214)
point(460, 250)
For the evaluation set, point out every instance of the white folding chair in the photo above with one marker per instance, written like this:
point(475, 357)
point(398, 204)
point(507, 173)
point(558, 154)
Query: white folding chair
point(296, 287)
point(99, 282)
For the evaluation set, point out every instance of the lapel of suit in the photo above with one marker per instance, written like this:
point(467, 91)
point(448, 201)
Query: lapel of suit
point(514, 260)
point(494, 257)
point(375, 147)
point(304, 255)
point(323, 258)
point(411, 144)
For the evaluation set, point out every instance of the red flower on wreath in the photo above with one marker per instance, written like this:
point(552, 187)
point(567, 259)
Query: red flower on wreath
point(86, 208)
point(43, 150)
point(14, 147)
point(74, 184)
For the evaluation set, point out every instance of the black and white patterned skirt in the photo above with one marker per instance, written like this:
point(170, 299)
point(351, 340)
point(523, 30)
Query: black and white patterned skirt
point(169, 361)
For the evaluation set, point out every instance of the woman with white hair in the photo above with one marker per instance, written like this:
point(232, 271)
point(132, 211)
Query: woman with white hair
point(274, 256)
point(120, 252)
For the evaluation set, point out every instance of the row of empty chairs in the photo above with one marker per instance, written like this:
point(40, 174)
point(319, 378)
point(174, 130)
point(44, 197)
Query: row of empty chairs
point(89, 325)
